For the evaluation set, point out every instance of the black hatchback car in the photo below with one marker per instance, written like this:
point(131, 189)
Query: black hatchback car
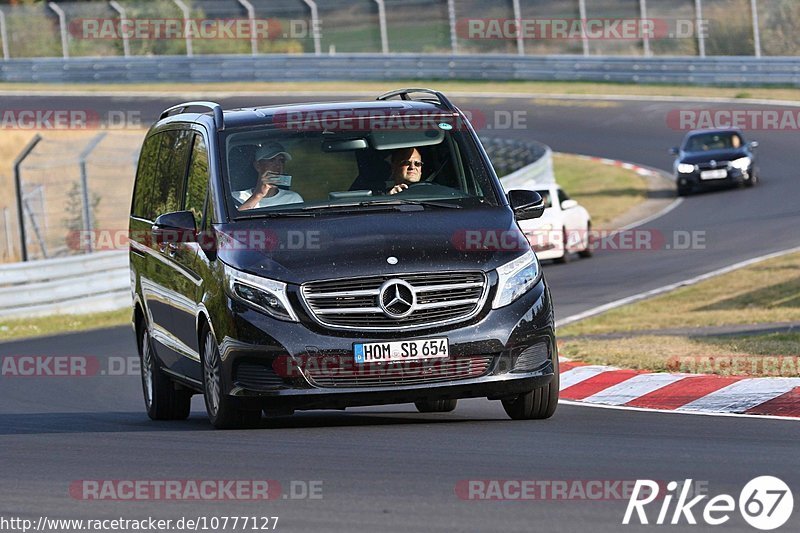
point(330, 255)
point(714, 158)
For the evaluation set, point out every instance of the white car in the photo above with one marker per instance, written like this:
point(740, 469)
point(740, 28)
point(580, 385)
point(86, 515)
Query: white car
point(564, 228)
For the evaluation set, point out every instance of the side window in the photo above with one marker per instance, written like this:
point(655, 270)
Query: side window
point(197, 182)
point(172, 159)
point(146, 179)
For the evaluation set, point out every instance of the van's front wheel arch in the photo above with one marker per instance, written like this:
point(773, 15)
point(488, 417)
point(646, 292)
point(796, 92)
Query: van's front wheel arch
point(223, 411)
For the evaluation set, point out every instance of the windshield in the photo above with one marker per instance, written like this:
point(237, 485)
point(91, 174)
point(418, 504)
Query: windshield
point(269, 171)
point(704, 142)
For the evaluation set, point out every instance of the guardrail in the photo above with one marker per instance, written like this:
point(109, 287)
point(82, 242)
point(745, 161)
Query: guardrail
point(360, 67)
point(66, 285)
point(101, 281)
point(538, 173)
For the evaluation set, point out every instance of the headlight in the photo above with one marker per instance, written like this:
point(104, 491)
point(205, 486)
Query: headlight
point(516, 278)
point(742, 163)
point(267, 295)
point(684, 168)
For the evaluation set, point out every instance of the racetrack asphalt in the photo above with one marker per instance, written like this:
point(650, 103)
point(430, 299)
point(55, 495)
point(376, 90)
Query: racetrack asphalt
point(391, 468)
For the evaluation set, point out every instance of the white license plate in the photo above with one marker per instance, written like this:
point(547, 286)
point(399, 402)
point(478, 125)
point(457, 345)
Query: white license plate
point(376, 352)
point(714, 174)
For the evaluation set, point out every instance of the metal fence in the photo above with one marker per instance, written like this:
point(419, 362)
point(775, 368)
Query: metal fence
point(358, 67)
point(75, 195)
point(144, 27)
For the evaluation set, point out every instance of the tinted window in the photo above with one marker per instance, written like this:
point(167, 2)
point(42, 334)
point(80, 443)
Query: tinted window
point(341, 165)
point(172, 159)
point(562, 197)
point(713, 141)
point(162, 168)
point(146, 178)
point(197, 182)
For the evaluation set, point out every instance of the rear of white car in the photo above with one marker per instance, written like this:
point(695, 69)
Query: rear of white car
point(564, 227)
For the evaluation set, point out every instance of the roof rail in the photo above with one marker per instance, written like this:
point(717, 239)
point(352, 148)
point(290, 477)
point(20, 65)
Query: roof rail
point(404, 95)
point(219, 121)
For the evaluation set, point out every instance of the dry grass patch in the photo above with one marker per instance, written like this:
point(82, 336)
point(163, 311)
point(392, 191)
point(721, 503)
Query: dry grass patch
point(763, 293)
point(605, 191)
point(773, 355)
point(51, 325)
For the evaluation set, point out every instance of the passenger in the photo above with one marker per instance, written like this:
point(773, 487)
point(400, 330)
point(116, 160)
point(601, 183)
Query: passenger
point(270, 161)
point(406, 169)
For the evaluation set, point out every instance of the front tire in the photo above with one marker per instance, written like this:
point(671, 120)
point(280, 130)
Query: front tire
point(223, 411)
point(436, 406)
point(538, 404)
point(162, 399)
point(588, 251)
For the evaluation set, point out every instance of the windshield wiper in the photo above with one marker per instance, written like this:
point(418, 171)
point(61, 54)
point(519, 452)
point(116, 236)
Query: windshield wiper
point(381, 204)
point(276, 214)
point(408, 201)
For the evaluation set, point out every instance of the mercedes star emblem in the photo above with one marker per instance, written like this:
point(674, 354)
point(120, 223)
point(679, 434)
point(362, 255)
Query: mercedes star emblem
point(397, 298)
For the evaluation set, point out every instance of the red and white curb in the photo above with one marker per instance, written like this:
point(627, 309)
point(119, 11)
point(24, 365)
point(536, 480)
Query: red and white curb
point(686, 393)
point(642, 171)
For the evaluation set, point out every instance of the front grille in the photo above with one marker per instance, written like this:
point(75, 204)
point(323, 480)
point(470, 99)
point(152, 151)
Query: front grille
point(441, 298)
point(257, 376)
point(348, 374)
point(721, 165)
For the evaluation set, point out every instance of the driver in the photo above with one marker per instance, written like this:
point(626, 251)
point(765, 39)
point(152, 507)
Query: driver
point(406, 169)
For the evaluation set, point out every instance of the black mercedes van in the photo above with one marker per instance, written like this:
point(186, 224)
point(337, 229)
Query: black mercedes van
point(330, 255)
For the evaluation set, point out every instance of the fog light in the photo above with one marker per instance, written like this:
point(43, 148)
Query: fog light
point(532, 358)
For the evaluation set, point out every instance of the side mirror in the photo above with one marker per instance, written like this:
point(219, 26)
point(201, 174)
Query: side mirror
point(569, 204)
point(673, 151)
point(526, 204)
point(174, 228)
point(753, 144)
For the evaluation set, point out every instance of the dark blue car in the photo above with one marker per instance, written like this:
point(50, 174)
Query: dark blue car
point(714, 158)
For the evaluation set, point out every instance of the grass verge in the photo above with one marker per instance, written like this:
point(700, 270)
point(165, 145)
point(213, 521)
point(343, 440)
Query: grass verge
point(768, 355)
point(605, 191)
point(768, 292)
point(533, 87)
point(51, 325)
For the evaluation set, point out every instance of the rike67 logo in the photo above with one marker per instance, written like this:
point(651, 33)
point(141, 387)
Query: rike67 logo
point(765, 503)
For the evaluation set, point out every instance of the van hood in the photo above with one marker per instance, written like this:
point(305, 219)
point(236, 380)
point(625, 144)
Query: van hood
point(301, 249)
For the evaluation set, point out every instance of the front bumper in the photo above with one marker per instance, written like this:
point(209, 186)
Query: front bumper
point(500, 335)
point(734, 177)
